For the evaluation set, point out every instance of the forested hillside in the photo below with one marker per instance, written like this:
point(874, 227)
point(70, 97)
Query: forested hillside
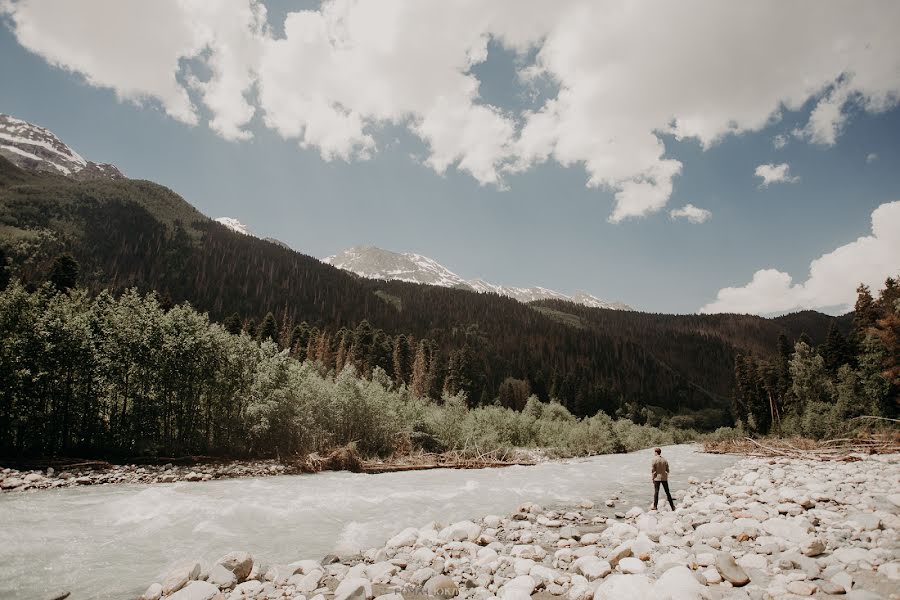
point(129, 233)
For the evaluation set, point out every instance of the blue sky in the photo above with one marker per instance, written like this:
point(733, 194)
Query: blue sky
point(539, 224)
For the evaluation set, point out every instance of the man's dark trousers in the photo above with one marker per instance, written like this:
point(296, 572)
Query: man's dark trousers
point(665, 485)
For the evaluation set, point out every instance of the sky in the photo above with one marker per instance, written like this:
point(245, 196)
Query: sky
point(677, 156)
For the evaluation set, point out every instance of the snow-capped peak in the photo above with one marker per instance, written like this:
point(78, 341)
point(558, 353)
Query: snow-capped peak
point(234, 225)
point(377, 263)
point(34, 148)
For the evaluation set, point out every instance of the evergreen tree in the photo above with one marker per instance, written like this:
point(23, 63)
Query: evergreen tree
point(299, 339)
point(268, 329)
point(419, 385)
point(401, 360)
point(250, 327)
point(835, 351)
point(64, 273)
point(232, 324)
point(865, 312)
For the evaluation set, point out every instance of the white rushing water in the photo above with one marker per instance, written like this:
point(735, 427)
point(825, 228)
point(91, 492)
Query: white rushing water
point(110, 542)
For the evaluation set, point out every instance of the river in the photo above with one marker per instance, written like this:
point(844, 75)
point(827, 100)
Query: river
point(111, 542)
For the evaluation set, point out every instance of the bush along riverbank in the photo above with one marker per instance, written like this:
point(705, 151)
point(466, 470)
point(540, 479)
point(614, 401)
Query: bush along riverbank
point(766, 528)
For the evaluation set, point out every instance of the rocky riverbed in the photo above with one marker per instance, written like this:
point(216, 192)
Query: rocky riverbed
point(12, 480)
point(766, 528)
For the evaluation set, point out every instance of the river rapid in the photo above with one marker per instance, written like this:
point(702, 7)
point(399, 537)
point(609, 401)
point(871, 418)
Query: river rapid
point(111, 541)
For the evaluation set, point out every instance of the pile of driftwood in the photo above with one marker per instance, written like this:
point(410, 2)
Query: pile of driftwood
point(842, 449)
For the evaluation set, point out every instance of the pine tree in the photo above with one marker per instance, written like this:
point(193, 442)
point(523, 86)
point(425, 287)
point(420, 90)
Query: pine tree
point(250, 327)
point(232, 324)
point(269, 328)
point(865, 312)
point(419, 385)
point(64, 273)
point(401, 360)
point(835, 351)
point(299, 339)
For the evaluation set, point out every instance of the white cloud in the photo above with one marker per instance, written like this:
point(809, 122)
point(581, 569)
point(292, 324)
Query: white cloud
point(871, 157)
point(691, 213)
point(780, 141)
point(832, 279)
point(772, 173)
point(134, 48)
point(626, 76)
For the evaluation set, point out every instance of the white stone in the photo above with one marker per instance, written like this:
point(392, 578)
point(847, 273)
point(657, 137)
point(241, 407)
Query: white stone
point(678, 583)
point(463, 530)
point(625, 587)
point(425, 555)
point(890, 570)
point(153, 592)
point(712, 530)
point(632, 565)
point(197, 590)
point(712, 576)
point(791, 530)
point(222, 577)
point(407, 537)
point(851, 555)
point(179, 576)
point(354, 588)
point(753, 561)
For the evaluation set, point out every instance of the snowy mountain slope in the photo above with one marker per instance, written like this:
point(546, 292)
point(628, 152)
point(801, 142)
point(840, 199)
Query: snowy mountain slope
point(34, 148)
point(377, 263)
point(238, 227)
point(234, 225)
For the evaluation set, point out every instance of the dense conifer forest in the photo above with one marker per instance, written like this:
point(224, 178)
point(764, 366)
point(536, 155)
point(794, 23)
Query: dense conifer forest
point(488, 349)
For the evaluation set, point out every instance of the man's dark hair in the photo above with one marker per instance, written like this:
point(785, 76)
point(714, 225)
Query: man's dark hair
point(658, 450)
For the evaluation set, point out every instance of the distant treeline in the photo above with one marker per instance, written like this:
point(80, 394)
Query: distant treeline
point(821, 391)
point(131, 375)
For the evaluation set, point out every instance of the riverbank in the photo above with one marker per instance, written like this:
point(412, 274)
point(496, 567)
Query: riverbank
point(85, 473)
point(765, 528)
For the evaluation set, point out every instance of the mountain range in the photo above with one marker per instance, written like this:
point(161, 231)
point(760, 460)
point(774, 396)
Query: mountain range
point(376, 263)
point(128, 233)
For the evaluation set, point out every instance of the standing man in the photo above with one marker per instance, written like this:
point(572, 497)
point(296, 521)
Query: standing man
point(659, 473)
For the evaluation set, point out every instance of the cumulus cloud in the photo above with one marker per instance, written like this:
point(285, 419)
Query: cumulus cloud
point(135, 48)
point(832, 279)
point(775, 174)
point(691, 213)
point(871, 157)
point(625, 78)
point(780, 141)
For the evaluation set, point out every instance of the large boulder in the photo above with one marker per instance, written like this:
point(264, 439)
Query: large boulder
point(152, 593)
point(180, 576)
point(239, 563)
